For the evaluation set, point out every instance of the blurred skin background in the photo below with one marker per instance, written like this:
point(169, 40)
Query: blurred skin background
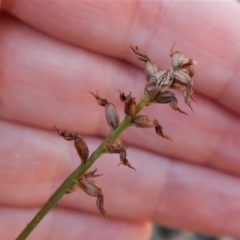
point(53, 52)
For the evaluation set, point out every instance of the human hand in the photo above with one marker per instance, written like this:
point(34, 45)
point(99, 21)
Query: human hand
point(75, 47)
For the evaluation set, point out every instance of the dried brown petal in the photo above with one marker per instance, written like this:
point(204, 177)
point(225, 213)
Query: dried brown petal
point(124, 161)
point(179, 61)
point(92, 174)
point(100, 101)
point(79, 143)
point(111, 115)
point(151, 66)
point(100, 205)
point(129, 104)
point(168, 97)
point(139, 55)
point(66, 135)
point(143, 121)
point(188, 70)
point(160, 132)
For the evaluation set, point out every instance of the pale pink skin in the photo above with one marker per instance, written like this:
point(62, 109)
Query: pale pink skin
point(54, 52)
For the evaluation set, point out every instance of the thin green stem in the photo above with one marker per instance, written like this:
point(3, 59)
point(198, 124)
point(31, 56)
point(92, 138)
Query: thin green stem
point(77, 173)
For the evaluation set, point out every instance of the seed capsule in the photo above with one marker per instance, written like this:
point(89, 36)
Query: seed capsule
point(110, 111)
point(91, 188)
point(118, 147)
point(129, 104)
point(111, 115)
point(143, 121)
point(79, 143)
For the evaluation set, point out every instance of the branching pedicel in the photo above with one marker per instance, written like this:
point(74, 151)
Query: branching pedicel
point(179, 76)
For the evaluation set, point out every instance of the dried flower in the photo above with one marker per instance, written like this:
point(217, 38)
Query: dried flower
point(79, 143)
point(110, 111)
point(118, 147)
point(143, 121)
point(129, 104)
point(178, 76)
point(91, 188)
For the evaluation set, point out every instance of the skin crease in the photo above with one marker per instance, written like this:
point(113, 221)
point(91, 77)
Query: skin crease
point(53, 52)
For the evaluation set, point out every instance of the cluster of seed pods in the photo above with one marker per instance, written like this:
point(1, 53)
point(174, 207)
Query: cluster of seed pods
point(179, 76)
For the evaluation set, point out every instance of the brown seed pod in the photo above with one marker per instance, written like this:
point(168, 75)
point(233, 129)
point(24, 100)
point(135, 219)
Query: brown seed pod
point(110, 111)
point(129, 104)
point(79, 143)
point(118, 147)
point(92, 189)
point(111, 115)
point(115, 147)
point(143, 121)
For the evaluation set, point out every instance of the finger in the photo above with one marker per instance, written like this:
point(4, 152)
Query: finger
point(161, 189)
point(215, 47)
point(69, 224)
point(54, 91)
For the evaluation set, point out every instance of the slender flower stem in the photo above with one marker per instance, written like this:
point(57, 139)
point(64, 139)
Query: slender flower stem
point(77, 173)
